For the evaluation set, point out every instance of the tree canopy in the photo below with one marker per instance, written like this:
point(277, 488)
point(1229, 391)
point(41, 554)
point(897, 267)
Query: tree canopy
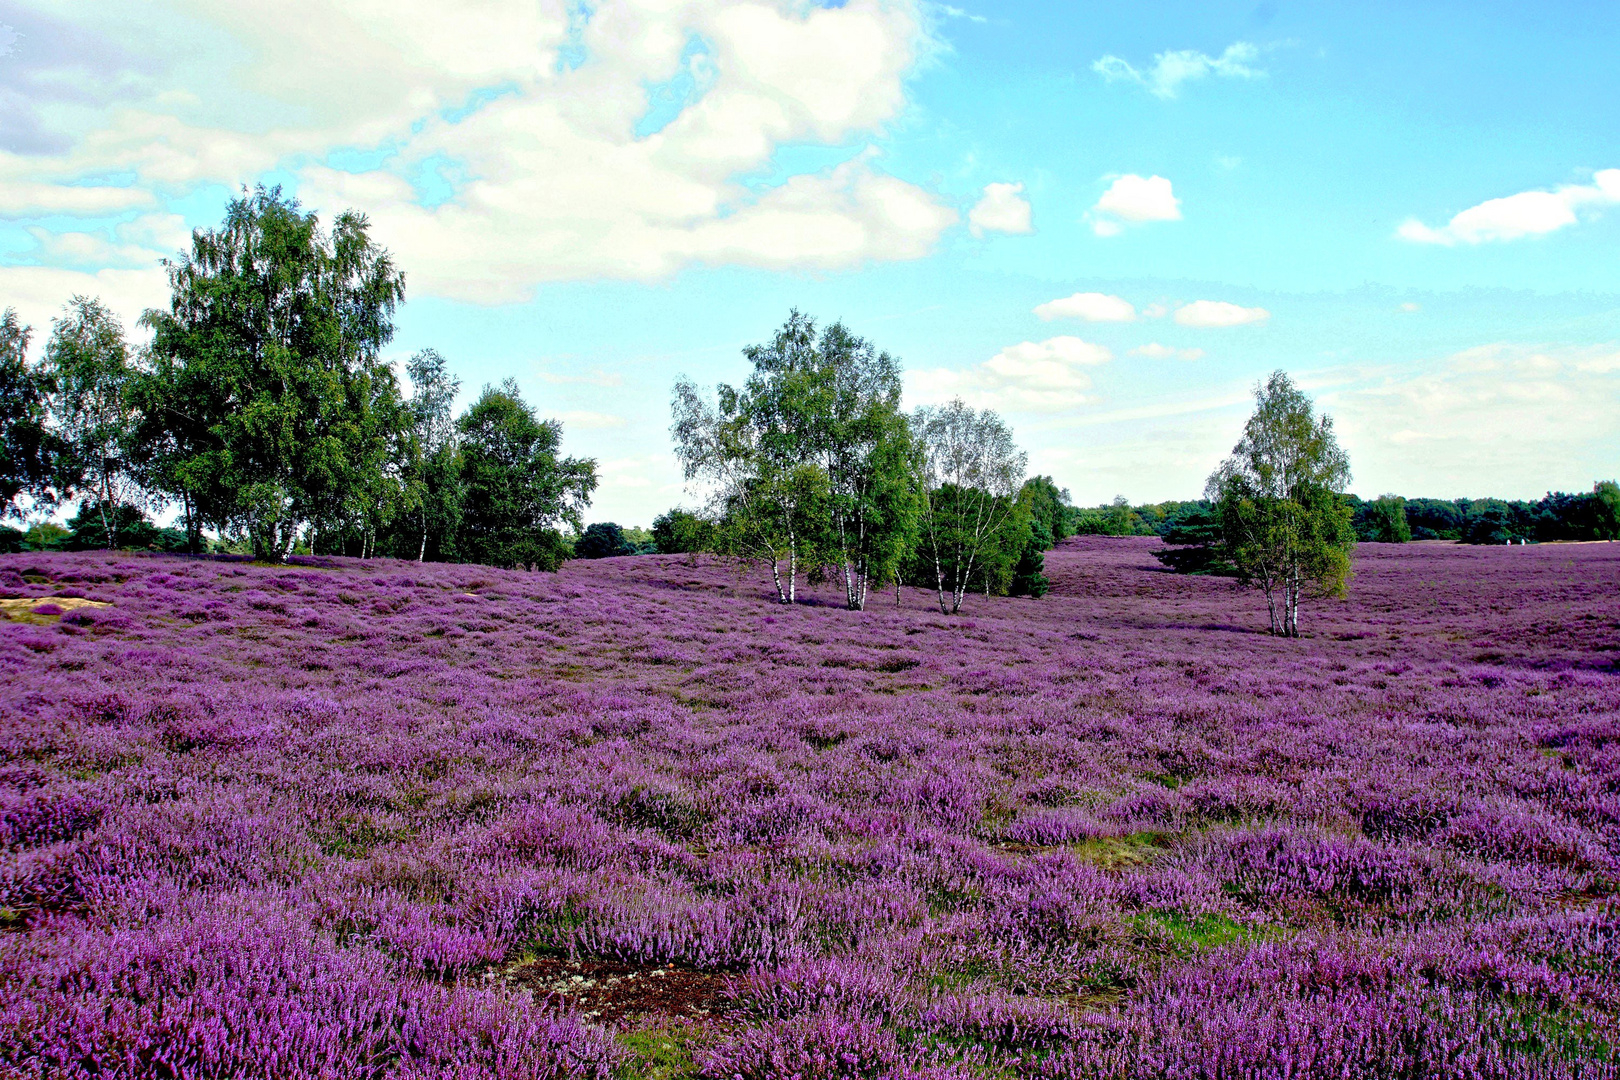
point(266, 374)
point(1283, 522)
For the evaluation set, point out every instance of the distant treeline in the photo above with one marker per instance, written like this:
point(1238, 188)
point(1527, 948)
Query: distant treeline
point(1390, 519)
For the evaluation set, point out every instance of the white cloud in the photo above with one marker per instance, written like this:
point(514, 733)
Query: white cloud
point(1218, 313)
point(39, 292)
point(1032, 376)
point(1002, 208)
point(1411, 306)
point(26, 198)
point(1089, 307)
point(1171, 69)
point(1133, 200)
point(1513, 217)
point(540, 113)
point(1154, 351)
point(1498, 419)
point(1155, 311)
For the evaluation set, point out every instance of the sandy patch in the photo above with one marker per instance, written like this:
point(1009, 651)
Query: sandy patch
point(27, 608)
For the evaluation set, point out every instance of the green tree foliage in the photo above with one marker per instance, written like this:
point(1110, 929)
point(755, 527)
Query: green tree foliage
point(1192, 533)
point(517, 491)
point(266, 383)
point(87, 374)
point(87, 530)
point(432, 466)
point(1382, 521)
point(1030, 529)
point(602, 540)
point(1606, 510)
point(833, 403)
point(1049, 507)
point(28, 451)
point(970, 471)
point(809, 462)
point(1278, 497)
point(679, 531)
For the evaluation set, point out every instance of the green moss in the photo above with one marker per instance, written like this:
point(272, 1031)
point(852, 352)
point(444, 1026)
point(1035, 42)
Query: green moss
point(661, 1053)
point(1121, 852)
point(1195, 932)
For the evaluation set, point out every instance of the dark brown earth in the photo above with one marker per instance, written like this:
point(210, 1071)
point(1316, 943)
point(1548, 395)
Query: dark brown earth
point(613, 993)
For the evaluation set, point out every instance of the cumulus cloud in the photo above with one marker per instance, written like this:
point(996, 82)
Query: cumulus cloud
point(1513, 217)
point(1002, 208)
point(1154, 351)
point(1032, 376)
point(1088, 307)
point(1134, 200)
point(542, 112)
point(1218, 313)
point(1171, 69)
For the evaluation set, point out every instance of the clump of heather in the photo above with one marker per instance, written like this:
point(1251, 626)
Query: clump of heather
point(338, 818)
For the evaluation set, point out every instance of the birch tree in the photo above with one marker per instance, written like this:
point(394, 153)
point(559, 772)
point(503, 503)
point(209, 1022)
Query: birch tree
point(766, 507)
point(1277, 497)
point(831, 401)
point(87, 373)
point(28, 450)
point(431, 470)
point(267, 365)
point(970, 472)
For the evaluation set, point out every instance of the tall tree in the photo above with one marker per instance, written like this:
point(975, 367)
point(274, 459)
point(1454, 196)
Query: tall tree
point(1383, 521)
point(1283, 521)
point(517, 489)
point(766, 507)
point(27, 449)
point(266, 368)
point(433, 473)
point(87, 373)
point(970, 470)
point(833, 402)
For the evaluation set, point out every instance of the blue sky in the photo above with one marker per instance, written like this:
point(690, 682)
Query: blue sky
point(1105, 220)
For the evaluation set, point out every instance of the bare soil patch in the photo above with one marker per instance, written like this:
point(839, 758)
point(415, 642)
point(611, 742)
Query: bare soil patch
point(614, 993)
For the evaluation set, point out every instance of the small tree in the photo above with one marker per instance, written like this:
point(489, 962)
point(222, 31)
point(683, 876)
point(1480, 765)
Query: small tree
point(1283, 522)
point(1606, 510)
point(28, 451)
point(678, 531)
point(88, 376)
point(765, 507)
point(518, 491)
point(1048, 505)
point(1383, 521)
point(969, 470)
point(602, 540)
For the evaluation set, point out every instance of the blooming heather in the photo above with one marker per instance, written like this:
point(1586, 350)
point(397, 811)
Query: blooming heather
point(321, 819)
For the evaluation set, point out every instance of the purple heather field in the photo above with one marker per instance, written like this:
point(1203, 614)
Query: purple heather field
point(375, 819)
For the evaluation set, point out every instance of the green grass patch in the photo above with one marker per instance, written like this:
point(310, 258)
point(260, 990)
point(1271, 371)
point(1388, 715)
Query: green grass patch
point(1193, 933)
point(1121, 852)
point(660, 1053)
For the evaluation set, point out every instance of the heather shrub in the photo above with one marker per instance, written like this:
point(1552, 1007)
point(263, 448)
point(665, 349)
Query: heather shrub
point(368, 818)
